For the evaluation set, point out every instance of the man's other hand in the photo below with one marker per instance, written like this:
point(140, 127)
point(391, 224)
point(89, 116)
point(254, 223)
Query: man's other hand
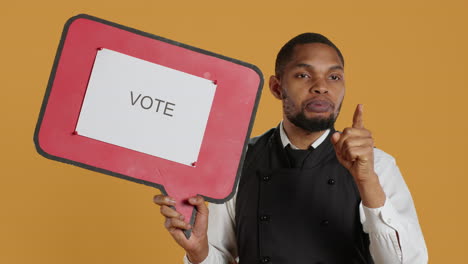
point(354, 149)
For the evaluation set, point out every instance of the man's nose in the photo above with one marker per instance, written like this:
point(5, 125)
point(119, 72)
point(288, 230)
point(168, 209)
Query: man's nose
point(319, 86)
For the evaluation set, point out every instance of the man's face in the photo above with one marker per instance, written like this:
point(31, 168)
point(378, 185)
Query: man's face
point(311, 87)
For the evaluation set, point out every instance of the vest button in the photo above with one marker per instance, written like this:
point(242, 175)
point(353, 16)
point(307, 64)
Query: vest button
point(266, 178)
point(331, 181)
point(325, 222)
point(264, 218)
point(265, 259)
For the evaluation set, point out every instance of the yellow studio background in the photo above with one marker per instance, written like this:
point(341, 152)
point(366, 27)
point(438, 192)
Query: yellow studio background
point(406, 61)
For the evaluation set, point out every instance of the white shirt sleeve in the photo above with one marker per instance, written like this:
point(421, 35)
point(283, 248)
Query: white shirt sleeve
point(394, 231)
point(221, 234)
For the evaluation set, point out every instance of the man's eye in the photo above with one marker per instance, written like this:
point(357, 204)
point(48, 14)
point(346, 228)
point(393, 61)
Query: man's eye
point(302, 75)
point(335, 77)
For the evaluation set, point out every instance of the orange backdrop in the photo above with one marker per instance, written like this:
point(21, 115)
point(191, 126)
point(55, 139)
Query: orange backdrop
point(405, 61)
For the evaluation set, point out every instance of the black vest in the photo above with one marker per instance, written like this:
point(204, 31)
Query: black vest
point(297, 215)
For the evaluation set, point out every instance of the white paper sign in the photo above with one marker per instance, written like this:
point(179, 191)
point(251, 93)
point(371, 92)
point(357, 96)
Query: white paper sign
point(146, 107)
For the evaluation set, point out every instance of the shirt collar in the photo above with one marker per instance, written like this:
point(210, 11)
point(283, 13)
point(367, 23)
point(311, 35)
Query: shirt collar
point(314, 145)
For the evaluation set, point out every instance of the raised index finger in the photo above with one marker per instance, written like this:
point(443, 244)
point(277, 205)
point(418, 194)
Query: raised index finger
point(357, 118)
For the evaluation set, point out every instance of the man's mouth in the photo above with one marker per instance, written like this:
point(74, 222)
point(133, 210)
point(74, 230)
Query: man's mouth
point(319, 106)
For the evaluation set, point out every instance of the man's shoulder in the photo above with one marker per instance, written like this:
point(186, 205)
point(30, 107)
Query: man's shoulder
point(257, 145)
point(262, 138)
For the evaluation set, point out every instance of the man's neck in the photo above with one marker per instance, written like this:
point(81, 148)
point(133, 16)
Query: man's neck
point(299, 137)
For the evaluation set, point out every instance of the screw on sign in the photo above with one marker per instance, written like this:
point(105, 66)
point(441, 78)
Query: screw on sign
point(149, 110)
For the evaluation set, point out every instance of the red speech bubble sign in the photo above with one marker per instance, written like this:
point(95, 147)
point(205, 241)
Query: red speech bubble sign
point(216, 171)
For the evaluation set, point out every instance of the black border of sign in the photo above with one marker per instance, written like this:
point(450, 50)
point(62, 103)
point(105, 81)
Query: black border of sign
point(118, 175)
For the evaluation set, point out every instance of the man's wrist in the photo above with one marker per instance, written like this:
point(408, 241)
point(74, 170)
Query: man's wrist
point(372, 194)
point(197, 256)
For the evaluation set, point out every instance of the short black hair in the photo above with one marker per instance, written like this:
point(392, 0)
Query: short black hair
point(286, 52)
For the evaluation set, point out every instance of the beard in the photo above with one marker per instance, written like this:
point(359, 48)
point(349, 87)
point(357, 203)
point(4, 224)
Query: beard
point(312, 124)
point(300, 120)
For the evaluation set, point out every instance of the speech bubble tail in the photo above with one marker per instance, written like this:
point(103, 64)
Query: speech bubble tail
point(189, 212)
point(188, 232)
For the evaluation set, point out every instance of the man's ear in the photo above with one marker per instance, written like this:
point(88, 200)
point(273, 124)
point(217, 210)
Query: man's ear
point(275, 87)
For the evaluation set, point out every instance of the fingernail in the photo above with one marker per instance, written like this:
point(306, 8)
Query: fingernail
point(189, 226)
point(181, 217)
point(171, 200)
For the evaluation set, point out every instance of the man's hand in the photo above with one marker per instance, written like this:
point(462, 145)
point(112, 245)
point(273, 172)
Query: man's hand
point(355, 151)
point(197, 246)
point(355, 148)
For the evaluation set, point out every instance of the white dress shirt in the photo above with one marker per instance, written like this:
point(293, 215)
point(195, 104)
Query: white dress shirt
point(397, 215)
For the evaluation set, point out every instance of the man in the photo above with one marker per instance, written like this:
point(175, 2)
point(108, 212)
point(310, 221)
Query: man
point(307, 193)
